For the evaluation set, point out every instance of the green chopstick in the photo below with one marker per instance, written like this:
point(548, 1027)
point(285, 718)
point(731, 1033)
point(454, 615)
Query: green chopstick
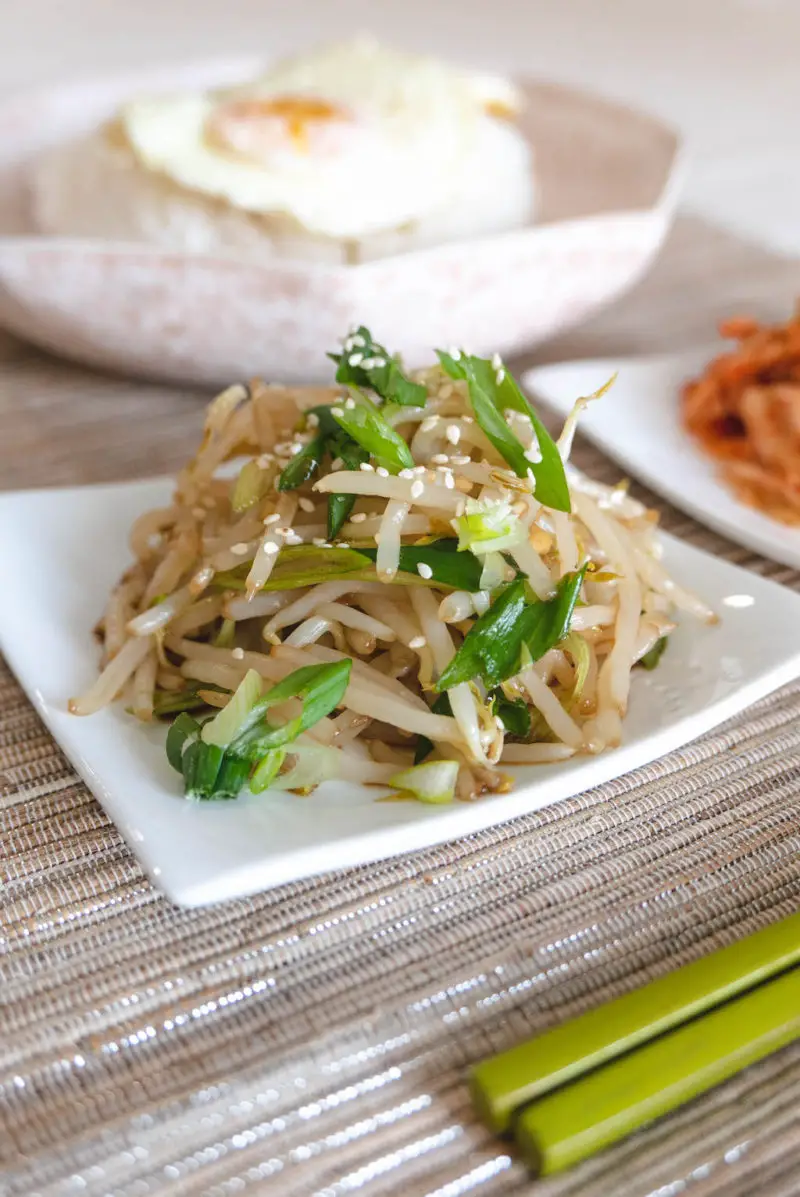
point(567, 1126)
point(510, 1080)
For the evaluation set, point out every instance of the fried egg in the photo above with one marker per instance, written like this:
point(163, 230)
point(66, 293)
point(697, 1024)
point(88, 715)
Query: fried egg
point(349, 141)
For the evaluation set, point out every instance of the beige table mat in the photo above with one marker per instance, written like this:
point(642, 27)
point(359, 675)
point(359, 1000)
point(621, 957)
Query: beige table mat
point(314, 1040)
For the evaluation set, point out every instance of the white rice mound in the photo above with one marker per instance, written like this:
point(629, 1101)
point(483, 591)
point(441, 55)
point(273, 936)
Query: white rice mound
point(95, 187)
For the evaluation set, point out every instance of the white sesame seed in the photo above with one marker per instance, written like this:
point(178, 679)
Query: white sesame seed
point(293, 537)
point(312, 420)
point(499, 376)
point(305, 504)
point(417, 489)
point(440, 459)
point(424, 570)
point(460, 460)
point(320, 542)
point(467, 419)
point(449, 481)
point(239, 549)
point(271, 519)
point(355, 359)
point(295, 448)
point(337, 411)
point(237, 654)
point(497, 362)
point(378, 363)
point(270, 548)
point(367, 467)
point(455, 354)
point(358, 518)
point(417, 642)
point(382, 472)
point(429, 423)
point(342, 544)
point(350, 404)
point(406, 473)
point(420, 469)
point(453, 433)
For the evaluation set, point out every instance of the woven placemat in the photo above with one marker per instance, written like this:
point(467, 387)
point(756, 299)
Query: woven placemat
point(313, 1040)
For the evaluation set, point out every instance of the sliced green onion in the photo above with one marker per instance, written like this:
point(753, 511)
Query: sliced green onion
point(579, 650)
point(367, 427)
point(313, 764)
point(225, 636)
point(267, 770)
point(201, 767)
point(433, 782)
point(488, 526)
point(546, 622)
point(514, 714)
point(303, 465)
point(491, 648)
point(651, 659)
point(492, 393)
point(495, 571)
point(306, 565)
point(251, 485)
point(365, 363)
point(173, 702)
point(321, 687)
point(183, 732)
point(425, 746)
point(237, 716)
point(459, 571)
point(514, 632)
point(302, 565)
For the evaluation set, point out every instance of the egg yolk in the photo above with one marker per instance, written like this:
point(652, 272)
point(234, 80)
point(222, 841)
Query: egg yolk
point(254, 127)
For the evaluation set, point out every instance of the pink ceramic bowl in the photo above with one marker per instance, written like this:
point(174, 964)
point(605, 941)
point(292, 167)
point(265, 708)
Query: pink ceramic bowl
point(607, 181)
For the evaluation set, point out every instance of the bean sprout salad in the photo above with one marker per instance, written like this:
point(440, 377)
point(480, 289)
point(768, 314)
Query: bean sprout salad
point(404, 583)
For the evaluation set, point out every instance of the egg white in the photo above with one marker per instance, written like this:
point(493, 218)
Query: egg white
point(412, 123)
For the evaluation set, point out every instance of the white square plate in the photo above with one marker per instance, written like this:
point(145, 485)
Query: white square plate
point(638, 424)
point(63, 549)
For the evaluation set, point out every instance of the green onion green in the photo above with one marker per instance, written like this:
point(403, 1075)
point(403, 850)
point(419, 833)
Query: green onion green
point(365, 363)
point(492, 393)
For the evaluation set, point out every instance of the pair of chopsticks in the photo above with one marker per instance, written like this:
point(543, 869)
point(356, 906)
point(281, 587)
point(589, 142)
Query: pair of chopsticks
point(585, 1084)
